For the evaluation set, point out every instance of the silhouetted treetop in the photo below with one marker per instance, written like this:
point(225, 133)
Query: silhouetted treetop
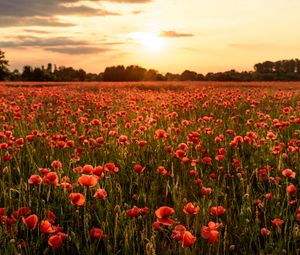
point(4, 72)
point(281, 70)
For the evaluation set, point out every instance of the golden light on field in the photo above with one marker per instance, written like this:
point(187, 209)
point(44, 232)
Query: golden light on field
point(167, 35)
point(150, 41)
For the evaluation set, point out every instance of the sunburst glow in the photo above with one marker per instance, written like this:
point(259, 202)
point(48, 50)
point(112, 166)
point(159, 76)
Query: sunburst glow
point(150, 41)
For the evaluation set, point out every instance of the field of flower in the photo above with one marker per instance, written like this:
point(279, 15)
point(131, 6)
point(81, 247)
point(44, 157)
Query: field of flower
point(149, 170)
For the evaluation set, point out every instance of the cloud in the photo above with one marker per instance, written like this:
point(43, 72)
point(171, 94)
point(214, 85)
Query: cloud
point(174, 34)
point(136, 12)
point(48, 8)
point(32, 41)
point(62, 45)
point(9, 21)
point(130, 1)
point(16, 13)
point(77, 50)
point(36, 31)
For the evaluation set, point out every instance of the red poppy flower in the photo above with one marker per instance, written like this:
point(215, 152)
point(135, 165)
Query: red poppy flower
point(206, 191)
point(188, 239)
point(198, 181)
point(123, 139)
point(184, 122)
point(50, 216)
point(20, 212)
point(163, 213)
point(70, 143)
point(2, 212)
point(163, 171)
point(31, 221)
point(95, 122)
point(142, 143)
point(138, 169)
point(133, 212)
point(46, 227)
point(217, 210)
point(236, 163)
point(210, 232)
point(291, 190)
point(61, 144)
point(5, 220)
point(277, 223)
point(7, 157)
point(190, 208)
point(55, 241)
point(183, 146)
point(30, 138)
point(111, 168)
point(20, 141)
point(22, 244)
point(88, 180)
point(35, 179)
point(288, 173)
point(160, 134)
point(44, 171)
point(56, 164)
point(207, 161)
point(265, 232)
point(97, 233)
point(98, 170)
point(268, 195)
point(51, 178)
point(213, 237)
point(77, 199)
point(220, 158)
point(87, 169)
point(179, 154)
point(177, 232)
point(144, 210)
point(67, 186)
point(57, 228)
point(185, 160)
point(3, 146)
point(156, 226)
point(101, 194)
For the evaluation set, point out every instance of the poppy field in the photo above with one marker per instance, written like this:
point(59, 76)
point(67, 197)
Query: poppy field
point(149, 170)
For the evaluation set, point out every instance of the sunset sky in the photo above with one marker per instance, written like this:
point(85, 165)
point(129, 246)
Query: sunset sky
point(167, 35)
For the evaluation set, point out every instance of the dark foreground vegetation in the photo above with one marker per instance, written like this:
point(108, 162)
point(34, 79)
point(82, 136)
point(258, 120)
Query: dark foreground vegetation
point(282, 70)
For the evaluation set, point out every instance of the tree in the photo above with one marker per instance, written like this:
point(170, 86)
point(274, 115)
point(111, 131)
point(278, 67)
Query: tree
point(15, 75)
point(151, 75)
point(265, 67)
point(38, 74)
point(80, 75)
point(4, 72)
point(200, 77)
point(297, 65)
point(114, 73)
point(134, 73)
point(172, 77)
point(188, 75)
point(27, 73)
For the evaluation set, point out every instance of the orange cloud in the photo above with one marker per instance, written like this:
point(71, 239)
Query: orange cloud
point(174, 34)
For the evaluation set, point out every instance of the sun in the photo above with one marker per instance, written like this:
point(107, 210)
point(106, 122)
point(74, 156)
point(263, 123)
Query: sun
point(150, 41)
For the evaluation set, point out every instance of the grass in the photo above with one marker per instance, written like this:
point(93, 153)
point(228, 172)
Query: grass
point(256, 129)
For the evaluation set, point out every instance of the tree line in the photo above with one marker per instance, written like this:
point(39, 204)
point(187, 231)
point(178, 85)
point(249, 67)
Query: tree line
point(282, 70)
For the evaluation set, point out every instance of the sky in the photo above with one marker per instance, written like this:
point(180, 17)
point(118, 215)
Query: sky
point(166, 35)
